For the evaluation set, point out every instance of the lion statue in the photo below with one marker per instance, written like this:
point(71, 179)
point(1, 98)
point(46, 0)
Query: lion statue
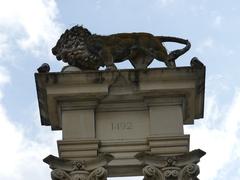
point(79, 47)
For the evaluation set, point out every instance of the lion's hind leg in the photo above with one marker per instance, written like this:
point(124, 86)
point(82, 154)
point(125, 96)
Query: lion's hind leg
point(108, 59)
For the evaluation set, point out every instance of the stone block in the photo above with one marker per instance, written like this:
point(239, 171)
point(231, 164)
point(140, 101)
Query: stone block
point(121, 112)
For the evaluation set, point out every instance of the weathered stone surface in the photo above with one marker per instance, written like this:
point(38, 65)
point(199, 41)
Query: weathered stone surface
point(181, 167)
point(121, 112)
point(78, 169)
point(120, 90)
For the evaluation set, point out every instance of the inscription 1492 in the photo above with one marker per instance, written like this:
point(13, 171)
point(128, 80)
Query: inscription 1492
point(118, 126)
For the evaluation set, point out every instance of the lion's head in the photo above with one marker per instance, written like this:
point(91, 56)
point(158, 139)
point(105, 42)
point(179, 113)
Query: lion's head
point(72, 48)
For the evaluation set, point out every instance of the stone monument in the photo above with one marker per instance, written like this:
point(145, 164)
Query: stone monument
point(121, 122)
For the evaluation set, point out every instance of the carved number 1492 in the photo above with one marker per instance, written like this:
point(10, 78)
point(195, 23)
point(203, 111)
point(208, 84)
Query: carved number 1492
point(117, 126)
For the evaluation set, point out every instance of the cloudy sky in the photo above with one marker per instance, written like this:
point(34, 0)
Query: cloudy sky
point(29, 28)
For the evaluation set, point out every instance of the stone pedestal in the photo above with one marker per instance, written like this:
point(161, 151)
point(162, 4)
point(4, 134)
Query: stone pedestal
point(121, 112)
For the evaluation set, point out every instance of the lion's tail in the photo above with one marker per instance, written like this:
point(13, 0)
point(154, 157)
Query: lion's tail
point(176, 53)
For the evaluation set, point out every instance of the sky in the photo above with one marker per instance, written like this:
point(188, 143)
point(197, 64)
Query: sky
point(30, 28)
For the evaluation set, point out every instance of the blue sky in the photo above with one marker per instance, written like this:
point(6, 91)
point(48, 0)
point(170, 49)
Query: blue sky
point(30, 28)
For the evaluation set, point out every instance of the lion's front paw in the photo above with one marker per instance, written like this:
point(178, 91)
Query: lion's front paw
point(111, 67)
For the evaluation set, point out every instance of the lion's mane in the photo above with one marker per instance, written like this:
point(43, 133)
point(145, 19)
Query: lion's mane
point(72, 48)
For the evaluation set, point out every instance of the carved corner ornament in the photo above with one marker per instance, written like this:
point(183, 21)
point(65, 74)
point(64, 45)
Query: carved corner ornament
point(78, 169)
point(179, 167)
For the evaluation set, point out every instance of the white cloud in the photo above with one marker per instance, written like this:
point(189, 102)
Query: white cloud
point(32, 22)
point(3, 44)
point(4, 76)
point(21, 155)
point(220, 142)
point(218, 21)
point(4, 79)
point(206, 44)
point(217, 82)
point(165, 2)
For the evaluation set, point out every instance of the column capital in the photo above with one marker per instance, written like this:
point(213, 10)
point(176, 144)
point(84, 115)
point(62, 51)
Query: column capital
point(63, 169)
point(179, 167)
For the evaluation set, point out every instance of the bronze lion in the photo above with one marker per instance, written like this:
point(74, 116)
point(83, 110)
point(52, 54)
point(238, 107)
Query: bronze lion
point(79, 47)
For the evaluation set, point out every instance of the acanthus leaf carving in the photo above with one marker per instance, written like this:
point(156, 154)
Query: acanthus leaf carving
point(179, 167)
point(190, 172)
point(79, 169)
point(59, 174)
point(98, 174)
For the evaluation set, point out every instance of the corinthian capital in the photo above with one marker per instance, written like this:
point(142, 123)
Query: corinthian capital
point(179, 167)
point(78, 170)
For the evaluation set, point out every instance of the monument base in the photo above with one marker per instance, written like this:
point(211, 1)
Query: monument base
point(121, 112)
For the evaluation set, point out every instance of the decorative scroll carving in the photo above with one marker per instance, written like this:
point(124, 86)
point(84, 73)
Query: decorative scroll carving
point(180, 167)
point(189, 172)
point(78, 170)
point(58, 174)
point(152, 173)
point(98, 174)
